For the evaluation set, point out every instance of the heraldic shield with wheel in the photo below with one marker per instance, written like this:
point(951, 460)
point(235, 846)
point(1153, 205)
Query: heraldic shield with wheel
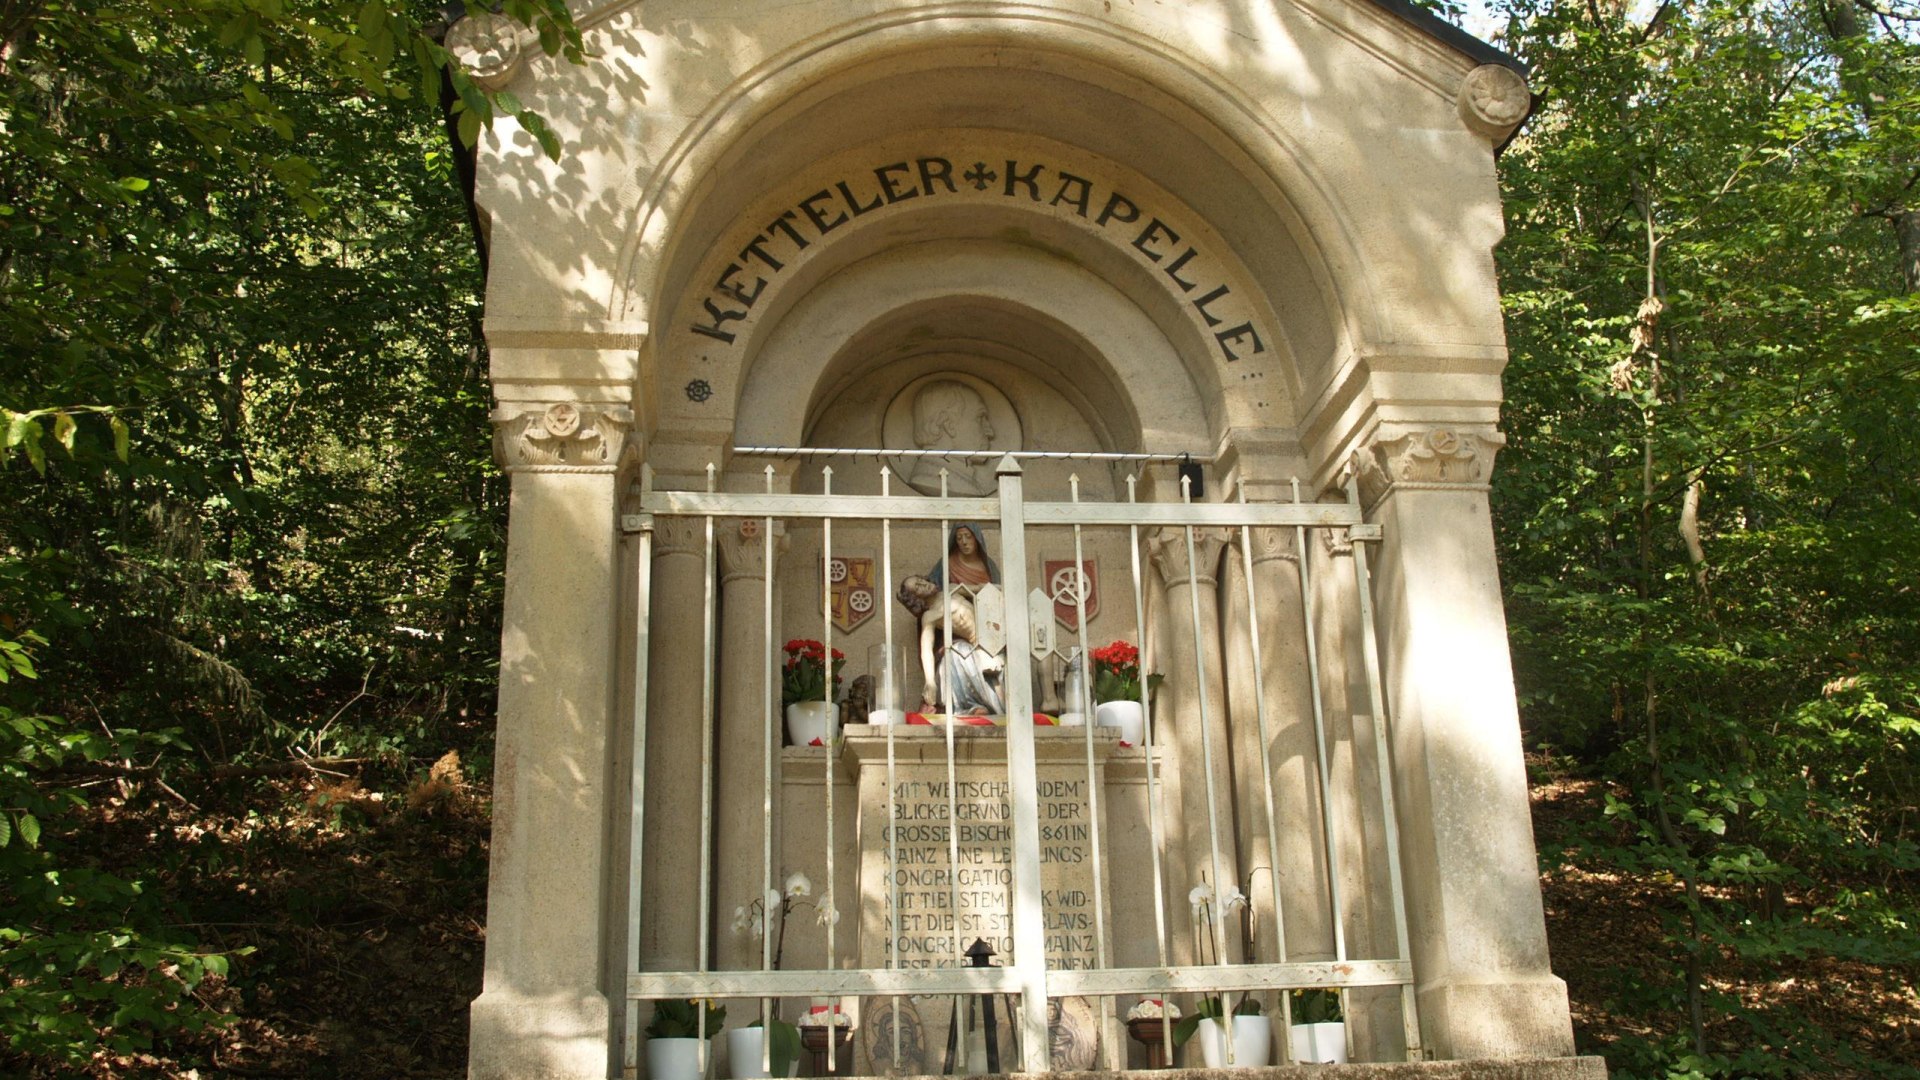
point(852, 598)
point(1062, 585)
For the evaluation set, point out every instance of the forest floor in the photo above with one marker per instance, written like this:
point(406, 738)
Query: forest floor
point(366, 914)
point(365, 910)
point(1607, 929)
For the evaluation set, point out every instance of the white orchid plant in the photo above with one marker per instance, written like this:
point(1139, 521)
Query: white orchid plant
point(1202, 898)
point(1210, 907)
point(783, 1038)
point(751, 918)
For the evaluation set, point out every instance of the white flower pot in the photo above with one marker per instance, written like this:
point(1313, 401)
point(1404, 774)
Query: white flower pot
point(1323, 1044)
point(673, 1059)
point(743, 1050)
point(1252, 1043)
point(810, 720)
point(1126, 716)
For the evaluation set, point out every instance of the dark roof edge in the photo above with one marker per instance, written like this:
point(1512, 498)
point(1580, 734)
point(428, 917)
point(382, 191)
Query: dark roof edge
point(1450, 35)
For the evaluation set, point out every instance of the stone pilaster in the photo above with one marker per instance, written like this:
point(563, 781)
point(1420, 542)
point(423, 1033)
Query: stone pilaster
point(1373, 1013)
point(1473, 892)
point(544, 1009)
point(1192, 663)
point(676, 658)
point(1287, 690)
point(741, 821)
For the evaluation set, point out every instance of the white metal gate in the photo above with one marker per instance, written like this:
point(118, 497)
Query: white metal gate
point(1027, 978)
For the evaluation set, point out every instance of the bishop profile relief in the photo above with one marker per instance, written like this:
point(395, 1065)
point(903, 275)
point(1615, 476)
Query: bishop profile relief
point(951, 411)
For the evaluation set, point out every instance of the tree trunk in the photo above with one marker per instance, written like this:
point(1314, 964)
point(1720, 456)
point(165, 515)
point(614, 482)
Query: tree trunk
point(1690, 530)
point(1906, 230)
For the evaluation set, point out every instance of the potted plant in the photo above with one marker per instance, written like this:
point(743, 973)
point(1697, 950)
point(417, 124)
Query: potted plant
point(812, 718)
point(1117, 690)
point(1319, 1031)
point(772, 1047)
point(1252, 1033)
point(676, 1048)
point(761, 1050)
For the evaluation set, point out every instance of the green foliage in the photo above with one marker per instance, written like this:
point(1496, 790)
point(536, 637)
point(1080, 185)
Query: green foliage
point(263, 499)
point(250, 515)
point(1316, 1006)
point(687, 1018)
point(28, 431)
point(85, 960)
point(1707, 512)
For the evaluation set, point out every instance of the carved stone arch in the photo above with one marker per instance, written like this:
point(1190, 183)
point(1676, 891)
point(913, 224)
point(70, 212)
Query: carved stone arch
point(1296, 226)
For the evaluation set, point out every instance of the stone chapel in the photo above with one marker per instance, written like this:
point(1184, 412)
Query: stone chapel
point(984, 345)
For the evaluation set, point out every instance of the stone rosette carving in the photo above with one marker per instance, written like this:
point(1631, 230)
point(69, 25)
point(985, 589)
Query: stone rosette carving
point(487, 46)
point(560, 436)
point(1493, 100)
point(743, 549)
point(1427, 458)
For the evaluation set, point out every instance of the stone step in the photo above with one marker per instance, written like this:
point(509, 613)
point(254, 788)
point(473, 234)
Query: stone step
point(1573, 1068)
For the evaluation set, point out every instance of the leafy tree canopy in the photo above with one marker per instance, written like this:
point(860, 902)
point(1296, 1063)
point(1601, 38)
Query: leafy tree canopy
point(250, 525)
point(1708, 510)
point(250, 517)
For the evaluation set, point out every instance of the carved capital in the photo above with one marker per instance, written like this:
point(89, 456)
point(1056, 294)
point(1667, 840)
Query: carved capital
point(1273, 545)
point(561, 437)
point(1427, 458)
point(488, 46)
point(681, 536)
point(1167, 546)
point(743, 549)
point(1493, 100)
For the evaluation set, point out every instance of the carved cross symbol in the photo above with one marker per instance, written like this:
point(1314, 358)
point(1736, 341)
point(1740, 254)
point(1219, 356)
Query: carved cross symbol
point(980, 176)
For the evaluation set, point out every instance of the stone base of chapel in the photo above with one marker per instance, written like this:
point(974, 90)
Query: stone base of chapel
point(1570, 1068)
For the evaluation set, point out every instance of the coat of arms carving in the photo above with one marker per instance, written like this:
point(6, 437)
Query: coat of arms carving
point(1063, 585)
point(852, 598)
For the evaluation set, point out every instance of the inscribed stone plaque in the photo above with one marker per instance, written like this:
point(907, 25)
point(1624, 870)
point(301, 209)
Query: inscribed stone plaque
point(926, 830)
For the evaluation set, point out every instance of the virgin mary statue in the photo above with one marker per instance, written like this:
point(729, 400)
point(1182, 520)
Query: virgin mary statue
point(967, 554)
point(959, 675)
